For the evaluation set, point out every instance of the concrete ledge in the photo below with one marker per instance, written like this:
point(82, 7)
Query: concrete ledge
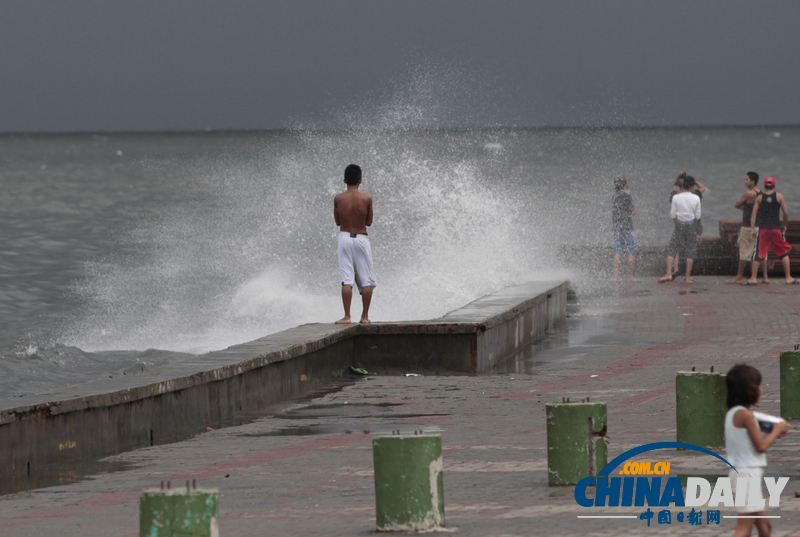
point(108, 416)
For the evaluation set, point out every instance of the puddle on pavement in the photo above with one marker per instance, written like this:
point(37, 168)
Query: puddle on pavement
point(52, 476)
point(354, 411)
point(365, 428)
point(582, 336)
point(338, 410)
point(344, 410)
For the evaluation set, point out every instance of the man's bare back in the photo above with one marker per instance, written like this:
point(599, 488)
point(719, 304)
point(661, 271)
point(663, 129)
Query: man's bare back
point(352, 210)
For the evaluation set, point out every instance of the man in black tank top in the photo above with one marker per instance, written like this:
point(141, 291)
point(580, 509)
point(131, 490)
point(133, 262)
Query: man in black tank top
point(746, 242)
point(771, 232)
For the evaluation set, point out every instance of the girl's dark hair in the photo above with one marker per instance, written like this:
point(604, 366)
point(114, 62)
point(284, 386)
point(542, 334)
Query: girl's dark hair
point(742, 382)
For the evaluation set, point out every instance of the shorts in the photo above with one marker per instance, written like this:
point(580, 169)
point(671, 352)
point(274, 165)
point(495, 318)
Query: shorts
point(684, 240)
point(751, 473)
point(624, 242)
point(746, 244)
point(355, 261)
point(771, 238)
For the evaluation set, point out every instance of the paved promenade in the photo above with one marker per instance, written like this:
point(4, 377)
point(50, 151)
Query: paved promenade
point(307, 469)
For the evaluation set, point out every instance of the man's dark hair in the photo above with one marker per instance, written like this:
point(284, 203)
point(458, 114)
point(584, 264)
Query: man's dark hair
point(753, 177)
point(688, 182)
point(742, 382)
point(352, 174)
point(620, 183)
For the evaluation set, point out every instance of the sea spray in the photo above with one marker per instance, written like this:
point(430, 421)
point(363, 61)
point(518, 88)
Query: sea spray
point(253, 250)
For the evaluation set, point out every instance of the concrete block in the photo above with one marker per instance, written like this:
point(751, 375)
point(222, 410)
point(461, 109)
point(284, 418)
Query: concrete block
point(790, 385)
point(701, 408)
point(576, 445)
point(409, 486)
point(179, 512)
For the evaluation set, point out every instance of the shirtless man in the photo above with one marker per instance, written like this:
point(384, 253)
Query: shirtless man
point(352, 211)
point(746, 242)
point(771, 232)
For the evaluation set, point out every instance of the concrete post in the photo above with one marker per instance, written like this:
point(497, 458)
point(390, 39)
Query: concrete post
point(576, 446)
point(167, 513)
point(409, 488)
point(701, 408)
point(790, 385)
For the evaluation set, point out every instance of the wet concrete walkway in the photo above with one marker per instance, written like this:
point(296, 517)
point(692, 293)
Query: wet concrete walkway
point(307, 469)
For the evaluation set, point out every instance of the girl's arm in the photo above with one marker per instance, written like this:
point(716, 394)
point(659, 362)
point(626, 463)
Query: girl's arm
point(745, 419)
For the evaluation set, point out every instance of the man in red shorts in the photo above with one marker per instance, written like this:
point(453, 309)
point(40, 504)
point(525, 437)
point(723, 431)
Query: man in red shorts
point(771, 232)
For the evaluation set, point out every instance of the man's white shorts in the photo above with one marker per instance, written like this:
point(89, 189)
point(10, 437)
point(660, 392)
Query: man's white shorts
point(355, 261)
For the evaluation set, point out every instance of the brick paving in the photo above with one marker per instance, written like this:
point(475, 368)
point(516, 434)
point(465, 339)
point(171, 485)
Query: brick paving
point(307, 470)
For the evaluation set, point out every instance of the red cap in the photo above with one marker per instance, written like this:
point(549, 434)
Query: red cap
point(769, 181)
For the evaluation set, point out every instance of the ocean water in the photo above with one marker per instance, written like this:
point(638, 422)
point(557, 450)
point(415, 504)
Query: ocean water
point(120, 252)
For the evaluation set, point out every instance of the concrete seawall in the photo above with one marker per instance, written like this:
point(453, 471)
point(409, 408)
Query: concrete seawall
point(109, 416)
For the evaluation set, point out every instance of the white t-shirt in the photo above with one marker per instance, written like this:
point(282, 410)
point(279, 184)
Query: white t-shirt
point(739, 448)
point(685, 206)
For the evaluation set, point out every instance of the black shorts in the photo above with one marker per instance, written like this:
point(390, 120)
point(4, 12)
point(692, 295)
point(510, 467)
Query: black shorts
point(684, 240)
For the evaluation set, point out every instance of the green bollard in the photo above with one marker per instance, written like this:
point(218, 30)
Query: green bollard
point(700, 408)
point(179, 512)
point(409, 487)
point(790, 385)
point(576, 445)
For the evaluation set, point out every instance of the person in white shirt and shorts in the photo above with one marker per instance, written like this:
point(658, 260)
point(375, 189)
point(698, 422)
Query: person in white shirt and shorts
point(685, 211)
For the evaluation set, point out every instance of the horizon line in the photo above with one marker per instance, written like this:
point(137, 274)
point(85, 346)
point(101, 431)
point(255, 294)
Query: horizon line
point(484, 128)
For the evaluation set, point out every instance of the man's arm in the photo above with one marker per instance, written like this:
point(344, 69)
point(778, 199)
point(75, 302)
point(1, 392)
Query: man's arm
point(336, 212)
point(369, 211)
point(785, 211)
point(756, 205)
point(747, 196)
point(700, 186)
point(630, 201)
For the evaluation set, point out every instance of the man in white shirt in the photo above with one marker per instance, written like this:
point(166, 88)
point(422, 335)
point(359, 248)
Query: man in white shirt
point(685, 211)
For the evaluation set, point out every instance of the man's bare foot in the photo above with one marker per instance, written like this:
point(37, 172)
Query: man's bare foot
point(667, 278)
point(688, 281)
point(343, 320)
point(364, 320)
point(765, 282)
point(752, 282)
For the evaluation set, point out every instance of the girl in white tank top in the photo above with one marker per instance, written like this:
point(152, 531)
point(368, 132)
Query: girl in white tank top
point(745, 444)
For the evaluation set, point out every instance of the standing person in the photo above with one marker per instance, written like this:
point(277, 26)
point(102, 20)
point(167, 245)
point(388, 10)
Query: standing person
point(698, 191)
point(771, 233)
point(746, 242)
point(745, 445)
point(352, 211)
point(622, 212)
point(685, 211)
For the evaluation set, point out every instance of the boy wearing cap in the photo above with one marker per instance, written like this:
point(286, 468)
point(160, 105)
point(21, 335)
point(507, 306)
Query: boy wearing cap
point(622, 216)
point(771, 232)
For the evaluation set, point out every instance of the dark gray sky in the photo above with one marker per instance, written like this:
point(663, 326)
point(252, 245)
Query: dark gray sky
point(122, 65)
